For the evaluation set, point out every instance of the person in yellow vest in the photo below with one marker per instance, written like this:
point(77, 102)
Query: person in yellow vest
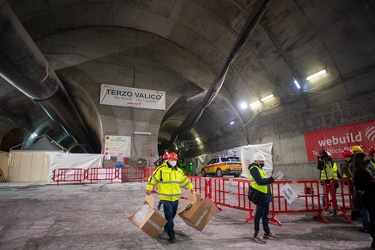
point(328, 172)
point(169, 178)
point(346, 166)
point(261, 182)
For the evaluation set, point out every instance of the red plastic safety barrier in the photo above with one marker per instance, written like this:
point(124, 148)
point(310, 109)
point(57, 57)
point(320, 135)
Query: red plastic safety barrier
point(201, 185)
point(341, 200)
point(68, 175)
point(100, 174)
point(148, 171)
point(233, 193)
point(230, 193)
point(136, 173)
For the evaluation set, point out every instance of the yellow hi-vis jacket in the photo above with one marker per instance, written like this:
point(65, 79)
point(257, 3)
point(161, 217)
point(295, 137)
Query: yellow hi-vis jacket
point(261, 188)
point(328, 173)
point(372, 163)
point(169, 181)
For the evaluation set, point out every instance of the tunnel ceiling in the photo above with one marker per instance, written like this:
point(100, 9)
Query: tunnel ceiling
point(292, 40)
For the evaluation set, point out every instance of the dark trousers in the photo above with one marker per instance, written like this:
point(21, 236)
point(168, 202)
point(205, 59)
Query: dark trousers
point(170, 210)
point(365, 218)
point(371, 211)
point(262, 213)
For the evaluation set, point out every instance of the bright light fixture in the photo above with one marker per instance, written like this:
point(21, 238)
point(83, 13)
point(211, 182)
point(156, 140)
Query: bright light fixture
point(232, 122)
point(322, 72)
point(142, 133)
point(197, 139)
point(257, 102)
point(243, 105)
point(267, 97)
point(297, 84)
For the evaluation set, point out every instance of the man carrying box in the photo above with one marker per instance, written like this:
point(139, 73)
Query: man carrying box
point(169, 178)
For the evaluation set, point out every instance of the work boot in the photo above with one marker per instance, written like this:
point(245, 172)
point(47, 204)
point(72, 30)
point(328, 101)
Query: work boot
point(270, 236)
point(257, 239)
point(172, 239)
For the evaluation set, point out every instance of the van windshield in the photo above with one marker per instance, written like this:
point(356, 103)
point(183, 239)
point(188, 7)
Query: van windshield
point(233, 158)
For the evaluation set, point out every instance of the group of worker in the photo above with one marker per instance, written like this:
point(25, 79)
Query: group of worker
point(359, 169)
point(169, 178)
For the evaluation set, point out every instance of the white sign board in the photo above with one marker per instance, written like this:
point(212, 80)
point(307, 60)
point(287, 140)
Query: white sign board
point(118, 146)
point(132, 97)
point(288, 193)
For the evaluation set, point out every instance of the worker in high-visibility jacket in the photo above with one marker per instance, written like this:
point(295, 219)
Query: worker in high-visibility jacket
point(328, 172)
point(346, 166)
point(262, 183)
point(169, 178)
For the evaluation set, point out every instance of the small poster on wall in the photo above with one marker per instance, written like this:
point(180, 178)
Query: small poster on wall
point(117, 146)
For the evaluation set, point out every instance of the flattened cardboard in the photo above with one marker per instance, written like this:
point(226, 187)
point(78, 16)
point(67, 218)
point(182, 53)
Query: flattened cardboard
point(199, 213)
point(153, 223)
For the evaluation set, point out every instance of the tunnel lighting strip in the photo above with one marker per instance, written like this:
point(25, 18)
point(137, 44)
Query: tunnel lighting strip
point(322, 72)
point(254, 103)
point(266, 98)
point(297, 84)
point(142, 133)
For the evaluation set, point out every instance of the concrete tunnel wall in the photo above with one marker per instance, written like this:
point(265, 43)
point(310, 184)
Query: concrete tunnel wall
point(171, 68)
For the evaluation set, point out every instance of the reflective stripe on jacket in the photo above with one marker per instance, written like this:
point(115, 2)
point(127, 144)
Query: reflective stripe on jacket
point(168, 181)
point(328, 173)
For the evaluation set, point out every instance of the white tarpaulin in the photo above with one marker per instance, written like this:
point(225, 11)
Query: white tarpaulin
point(132, 97)
point(246, 156)
point(65, 160)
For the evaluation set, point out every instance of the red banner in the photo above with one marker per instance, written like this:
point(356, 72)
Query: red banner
point(336, 139)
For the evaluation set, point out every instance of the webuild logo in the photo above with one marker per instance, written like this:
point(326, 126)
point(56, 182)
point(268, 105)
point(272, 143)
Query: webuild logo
point(370, 133)
point(348, 138)
point(336, 139)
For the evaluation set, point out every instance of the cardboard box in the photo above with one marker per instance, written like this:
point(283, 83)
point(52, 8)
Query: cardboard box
point(148, 218)
point(195, 212)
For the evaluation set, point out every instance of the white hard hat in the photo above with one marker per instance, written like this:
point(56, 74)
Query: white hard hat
point(259, 157)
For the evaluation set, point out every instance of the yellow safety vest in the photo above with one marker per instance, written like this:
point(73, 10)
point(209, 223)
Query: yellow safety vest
point(372, 163)
point(261, 188)
point(328, 173)
point(168, 181)
point(349, 170)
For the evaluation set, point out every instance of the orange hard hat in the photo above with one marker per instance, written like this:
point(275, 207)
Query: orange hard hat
point(165, 156)
point(173, 156)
